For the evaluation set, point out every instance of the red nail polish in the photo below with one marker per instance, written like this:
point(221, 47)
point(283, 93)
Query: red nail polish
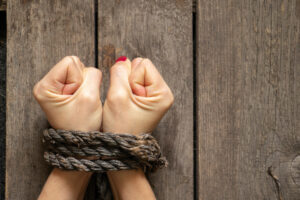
point(121, 58)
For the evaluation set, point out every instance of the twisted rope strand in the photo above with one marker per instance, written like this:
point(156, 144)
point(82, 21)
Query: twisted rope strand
point(143, 153)
point(102, 152)
point(138, 146)
point(97, 138)
point(71, 163)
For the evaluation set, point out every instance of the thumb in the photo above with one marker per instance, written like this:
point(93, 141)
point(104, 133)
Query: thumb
point(144, 79)
point(119, 74)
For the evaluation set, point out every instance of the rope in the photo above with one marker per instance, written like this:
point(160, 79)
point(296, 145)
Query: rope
point(101, 152)
point(124, 141)
point(143, 148)
point(71, 163)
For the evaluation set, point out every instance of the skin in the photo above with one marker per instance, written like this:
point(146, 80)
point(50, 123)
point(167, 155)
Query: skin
point(70, 97)
point(137, 99)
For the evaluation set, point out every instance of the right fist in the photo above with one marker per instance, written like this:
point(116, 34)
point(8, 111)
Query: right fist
point(70, 96)
point(137, 99)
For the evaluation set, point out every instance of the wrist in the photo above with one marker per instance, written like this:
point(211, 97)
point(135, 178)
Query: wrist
point(130, 184)
point(73, 182)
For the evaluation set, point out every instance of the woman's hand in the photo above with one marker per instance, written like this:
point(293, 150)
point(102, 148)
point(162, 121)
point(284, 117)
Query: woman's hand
point(137, 98)
point(70, 96)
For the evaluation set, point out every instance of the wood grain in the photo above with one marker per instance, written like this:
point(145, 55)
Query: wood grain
point(248, 70)
point(161, 31)
point(38, 37)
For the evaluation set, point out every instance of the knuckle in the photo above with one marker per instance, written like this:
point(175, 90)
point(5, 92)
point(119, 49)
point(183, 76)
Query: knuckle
point(68, 59)
point(168, 98)
point(147, 62)
point(71, 60)
point(37, 90)
point(137, 59)
point(171, 99)
point(98, 72)
point(95, 71)
point(117, 97)
point(89, 98)
point(75, 58)
point(135, 62)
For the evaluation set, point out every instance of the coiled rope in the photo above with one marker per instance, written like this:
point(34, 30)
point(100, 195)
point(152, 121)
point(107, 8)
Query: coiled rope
point(101, 152)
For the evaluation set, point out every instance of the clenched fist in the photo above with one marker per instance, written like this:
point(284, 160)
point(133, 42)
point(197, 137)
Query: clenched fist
point(70, 96)
point(137, 98)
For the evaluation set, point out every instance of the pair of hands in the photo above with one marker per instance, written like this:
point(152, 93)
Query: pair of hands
point(137, 98)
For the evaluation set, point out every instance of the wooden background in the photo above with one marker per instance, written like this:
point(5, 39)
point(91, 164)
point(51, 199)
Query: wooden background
point(233, 66)
point(2, 100)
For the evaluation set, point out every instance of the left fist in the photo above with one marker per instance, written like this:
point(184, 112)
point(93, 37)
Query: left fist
point(70, 95)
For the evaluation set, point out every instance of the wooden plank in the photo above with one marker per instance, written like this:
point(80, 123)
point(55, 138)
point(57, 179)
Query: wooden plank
point(38, 37)
point(248, 63)
point(161, 31)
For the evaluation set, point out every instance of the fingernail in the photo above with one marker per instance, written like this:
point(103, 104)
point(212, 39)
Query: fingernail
point(121, 58)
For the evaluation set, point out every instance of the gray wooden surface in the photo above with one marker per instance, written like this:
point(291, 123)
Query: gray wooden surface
point(247, 88)
point(162, 31)
point(248, 96)
point(40, 33)
point(49, 31)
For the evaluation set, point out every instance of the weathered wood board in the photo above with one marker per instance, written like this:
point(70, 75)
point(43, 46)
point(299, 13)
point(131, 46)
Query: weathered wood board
point(248, 97)
point(40, 33)
point(247, 88)
point(162, 31)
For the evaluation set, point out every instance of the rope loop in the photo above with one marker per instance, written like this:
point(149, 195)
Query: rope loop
point(100, 152)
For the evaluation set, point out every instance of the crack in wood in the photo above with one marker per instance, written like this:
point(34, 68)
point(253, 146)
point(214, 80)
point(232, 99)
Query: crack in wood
point(194, 8)
point(276, 181)
point(2, 5)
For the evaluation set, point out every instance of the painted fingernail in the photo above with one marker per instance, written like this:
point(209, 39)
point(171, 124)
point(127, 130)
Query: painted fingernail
point(121, 58)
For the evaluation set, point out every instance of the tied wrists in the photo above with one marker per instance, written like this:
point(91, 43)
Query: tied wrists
point(100, 152)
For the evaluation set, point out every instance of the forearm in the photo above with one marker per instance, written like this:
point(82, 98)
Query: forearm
point(69, 94)
point(128, 184)
point(67, 185)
